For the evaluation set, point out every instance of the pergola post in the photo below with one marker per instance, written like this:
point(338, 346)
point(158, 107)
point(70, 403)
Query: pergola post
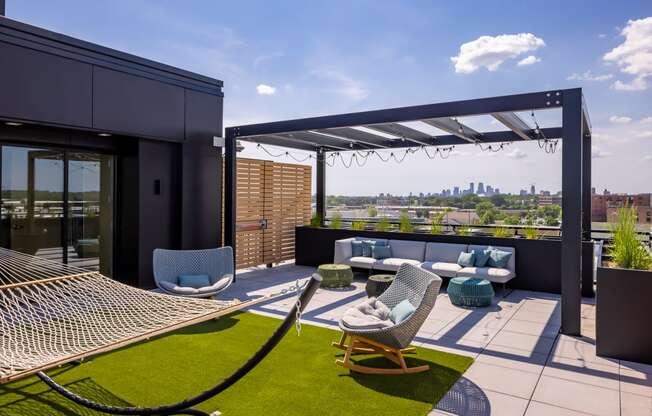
point(587, 260)
point(230, 194)
point(571, 241)
point(321, 187)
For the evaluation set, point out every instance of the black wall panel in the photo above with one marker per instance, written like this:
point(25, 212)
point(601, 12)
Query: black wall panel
point(137, 106)
point(44, 88)
point(202, 172)
point(159, 214)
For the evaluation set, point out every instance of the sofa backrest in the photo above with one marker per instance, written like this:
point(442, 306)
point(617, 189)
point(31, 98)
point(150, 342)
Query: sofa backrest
point(511, 264)
point(444, 252)
point(406, 249)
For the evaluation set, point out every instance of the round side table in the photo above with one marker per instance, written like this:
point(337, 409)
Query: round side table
point(335, 275)
point(377, 284)
point(467, 291)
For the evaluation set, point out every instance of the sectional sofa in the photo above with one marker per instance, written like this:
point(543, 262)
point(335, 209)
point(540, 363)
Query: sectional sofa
point(440, 258)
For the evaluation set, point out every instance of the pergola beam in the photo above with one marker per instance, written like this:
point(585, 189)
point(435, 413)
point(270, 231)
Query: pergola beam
point(455, 128)
point(517, 102)
point(516, 124)
point(404, 132)
point(357, 136)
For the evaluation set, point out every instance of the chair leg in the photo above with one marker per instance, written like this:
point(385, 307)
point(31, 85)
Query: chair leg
point(359, 345)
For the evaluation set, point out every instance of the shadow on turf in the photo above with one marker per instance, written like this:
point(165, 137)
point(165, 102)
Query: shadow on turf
point(48, 402)
point(441, 386)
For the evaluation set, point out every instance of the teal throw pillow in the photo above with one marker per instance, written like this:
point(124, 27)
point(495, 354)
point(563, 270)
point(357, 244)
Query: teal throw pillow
point(356, 248)
point(499, 258)
point(482, 257)
point(401, 312)
point(466, 259)
point(196, 281)
point(381, 252)
point(367, 244)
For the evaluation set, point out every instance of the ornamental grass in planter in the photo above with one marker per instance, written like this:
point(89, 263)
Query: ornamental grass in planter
point(624, 289)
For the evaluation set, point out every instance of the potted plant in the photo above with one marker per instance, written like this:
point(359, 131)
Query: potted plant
point(624, 295)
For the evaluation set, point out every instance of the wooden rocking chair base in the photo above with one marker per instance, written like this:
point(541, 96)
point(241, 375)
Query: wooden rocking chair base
point(360, 345)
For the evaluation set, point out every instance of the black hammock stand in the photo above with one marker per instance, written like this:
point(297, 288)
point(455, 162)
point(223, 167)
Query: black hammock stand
point(185, 407)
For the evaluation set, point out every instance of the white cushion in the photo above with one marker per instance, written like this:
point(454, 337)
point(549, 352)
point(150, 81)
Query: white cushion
point(355, 319)
point(181, 290)
point(405, 249)
point(444, 252)
point(393, 263)
point(442, 269)
point(360, 261)
point(511, 264)
point(215, 287)
point(493, 274)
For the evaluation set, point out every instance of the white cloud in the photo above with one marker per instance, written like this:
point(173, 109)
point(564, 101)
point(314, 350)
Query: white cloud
point(648, 158)
point(601, 35)
point(491, 51)
point(344, 85)
point(634, 55)
point(517, 154)
point(597, 153)
point(589, 76)
point(268, 57)
point(263, 89)
point(529, 60)
point(644, 134)
point(646, 120)
point(620, 119)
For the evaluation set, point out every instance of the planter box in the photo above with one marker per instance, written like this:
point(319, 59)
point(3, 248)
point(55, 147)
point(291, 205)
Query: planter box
point(538, 262)
point(623, 313)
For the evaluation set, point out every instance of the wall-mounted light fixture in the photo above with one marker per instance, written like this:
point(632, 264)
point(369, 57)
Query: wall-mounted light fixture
point(13, 123)
point(104, 134)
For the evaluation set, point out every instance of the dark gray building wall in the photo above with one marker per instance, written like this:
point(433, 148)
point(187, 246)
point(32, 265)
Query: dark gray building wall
point(162, 119)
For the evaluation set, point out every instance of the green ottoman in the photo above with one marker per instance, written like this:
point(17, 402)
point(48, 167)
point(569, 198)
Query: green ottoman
point(335, 275)
point(467, 291)
point(377, 284)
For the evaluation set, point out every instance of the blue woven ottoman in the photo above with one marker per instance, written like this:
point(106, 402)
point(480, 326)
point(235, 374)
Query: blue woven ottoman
point(467, 291)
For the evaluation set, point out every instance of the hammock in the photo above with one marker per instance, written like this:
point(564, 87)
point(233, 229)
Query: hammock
point(52, 314)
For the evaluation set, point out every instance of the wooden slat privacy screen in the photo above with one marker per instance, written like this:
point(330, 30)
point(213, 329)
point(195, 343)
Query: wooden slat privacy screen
point(271, 200)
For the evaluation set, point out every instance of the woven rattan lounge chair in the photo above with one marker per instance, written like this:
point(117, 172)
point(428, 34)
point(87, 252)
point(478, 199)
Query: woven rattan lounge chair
point(420, 287)
point(217, 263)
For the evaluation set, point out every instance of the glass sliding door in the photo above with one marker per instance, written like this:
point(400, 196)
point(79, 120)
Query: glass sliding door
point(59, 205)
point(90, 205)
point(32, 201)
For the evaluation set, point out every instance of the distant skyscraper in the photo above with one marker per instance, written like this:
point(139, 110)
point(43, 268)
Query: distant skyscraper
point(489, 191)
point(472, 188)
point(533, 190)
point(523, 192)
point(480, 188)
point(497, 191)
point(456, 191)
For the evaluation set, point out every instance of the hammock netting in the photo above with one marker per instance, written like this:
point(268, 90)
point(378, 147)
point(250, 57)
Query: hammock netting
point(52, 314)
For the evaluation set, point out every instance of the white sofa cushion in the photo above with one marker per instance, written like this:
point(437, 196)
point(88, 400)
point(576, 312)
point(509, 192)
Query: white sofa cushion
point(493, 274)
point(393, 263)
point(444, 252)
point(442, 269)
point(511, 264)
point(405, 249)
point(360, 261)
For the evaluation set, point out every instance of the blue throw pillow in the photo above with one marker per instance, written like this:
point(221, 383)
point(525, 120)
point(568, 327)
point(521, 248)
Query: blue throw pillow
point(482, 257)
point(196, 281)
point(401, 312)
point(356, 248)
point(367, 244)
point(466, 259)
point(381, 252)
point(499, 258)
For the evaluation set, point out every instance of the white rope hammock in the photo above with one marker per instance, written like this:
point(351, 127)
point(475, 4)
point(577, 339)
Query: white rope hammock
point(52, 314)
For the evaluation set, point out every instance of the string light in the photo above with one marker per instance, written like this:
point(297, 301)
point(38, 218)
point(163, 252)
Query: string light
point(549, 146)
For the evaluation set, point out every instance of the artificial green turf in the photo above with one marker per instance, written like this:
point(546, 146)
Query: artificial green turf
point(298, 378)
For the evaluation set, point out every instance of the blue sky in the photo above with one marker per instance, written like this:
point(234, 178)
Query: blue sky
point(293, 59)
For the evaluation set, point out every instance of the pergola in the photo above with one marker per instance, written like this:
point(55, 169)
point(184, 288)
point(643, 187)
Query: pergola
point(340, 133)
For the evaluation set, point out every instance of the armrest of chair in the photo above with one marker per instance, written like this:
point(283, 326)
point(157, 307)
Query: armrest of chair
point(343, 250)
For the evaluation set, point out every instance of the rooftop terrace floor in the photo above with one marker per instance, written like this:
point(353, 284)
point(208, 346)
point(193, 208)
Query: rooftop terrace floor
point(523, 366)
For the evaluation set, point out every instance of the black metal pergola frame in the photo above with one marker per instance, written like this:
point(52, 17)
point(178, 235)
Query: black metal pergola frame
point(336, 133)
